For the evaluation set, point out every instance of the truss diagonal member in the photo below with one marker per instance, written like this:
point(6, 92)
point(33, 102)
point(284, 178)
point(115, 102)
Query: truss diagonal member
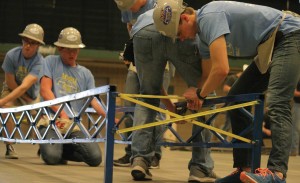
point(104, 107)
point(37, 133)
point(99, 128)
point(4, 124)
point(183, 118)
point(50, 127)
point(85, 105)
point(69, 108)
point(17, 123)
point(54, 127)
point(77, 121)
point(31, 129)
point(92, 121)
point(61, 107)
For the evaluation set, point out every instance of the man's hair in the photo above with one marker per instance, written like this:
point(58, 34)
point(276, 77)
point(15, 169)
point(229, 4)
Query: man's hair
point(189, 11)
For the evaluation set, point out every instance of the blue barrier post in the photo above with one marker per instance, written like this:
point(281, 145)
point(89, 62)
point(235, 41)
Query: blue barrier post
point(109, 144)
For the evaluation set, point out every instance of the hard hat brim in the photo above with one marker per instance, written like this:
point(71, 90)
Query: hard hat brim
point(69, 45)
point(31, 37)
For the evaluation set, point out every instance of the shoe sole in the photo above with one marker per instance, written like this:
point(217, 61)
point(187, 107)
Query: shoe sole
point(11, 157)
point(138, 173)
point(122, 164)
point(193, 178)
point(154, 167)
point(246, 179)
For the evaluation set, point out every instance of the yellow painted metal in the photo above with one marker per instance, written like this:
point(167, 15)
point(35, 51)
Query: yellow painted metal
point(176, 117)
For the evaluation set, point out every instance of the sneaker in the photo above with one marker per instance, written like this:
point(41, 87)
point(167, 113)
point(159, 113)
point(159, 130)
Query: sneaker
point(234, 177)
point(261, 176)
point(140, 169)
point(123, 162)
point(294, 153)
point(10, 152)
point(198, 176)
point(154, 163)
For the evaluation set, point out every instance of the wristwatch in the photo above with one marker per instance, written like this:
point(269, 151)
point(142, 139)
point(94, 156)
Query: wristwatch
point(198, 91)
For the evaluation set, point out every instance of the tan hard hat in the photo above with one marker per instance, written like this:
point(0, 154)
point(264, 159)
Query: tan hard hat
point(69, 38)
point(166, 16)
point(34, 32)
point(124, 5)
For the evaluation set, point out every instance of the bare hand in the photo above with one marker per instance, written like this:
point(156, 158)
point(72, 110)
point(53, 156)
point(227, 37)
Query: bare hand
point(193, 102)
point(117, 120)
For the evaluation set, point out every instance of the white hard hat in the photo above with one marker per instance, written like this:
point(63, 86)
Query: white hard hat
point(166, 16)
point(69, 38)
point(124, 5)
point(245, 67)
point(34, 32)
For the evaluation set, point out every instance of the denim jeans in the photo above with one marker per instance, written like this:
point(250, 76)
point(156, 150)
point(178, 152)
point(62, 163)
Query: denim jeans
point(53, 154)
point(133, 87)
point(152, 51)
point(280, 82)
point(296, 127)
point(227, 124)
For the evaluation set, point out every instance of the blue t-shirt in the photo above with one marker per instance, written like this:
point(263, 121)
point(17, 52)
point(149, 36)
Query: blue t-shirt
point(244, 25)
point(15, 63)
point(67, 80)
point(142, 21)
point(131, 17)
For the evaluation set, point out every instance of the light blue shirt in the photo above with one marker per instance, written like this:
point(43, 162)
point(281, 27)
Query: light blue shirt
point(131, 17)
point(15, 63)
point(244, 25)
point(67, 80)
point(143, 21)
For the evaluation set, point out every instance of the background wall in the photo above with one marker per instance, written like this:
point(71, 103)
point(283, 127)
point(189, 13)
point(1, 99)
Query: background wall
point(103, 33)
point(98, 20)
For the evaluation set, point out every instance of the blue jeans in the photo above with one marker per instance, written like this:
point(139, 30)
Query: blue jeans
point(280, 82)
point(296, 127)
point(133, 87)
point(152, 51)
point(227, 124)
point(53, 154)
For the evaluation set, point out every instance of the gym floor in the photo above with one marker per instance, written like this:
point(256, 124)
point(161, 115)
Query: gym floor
point(173, 168)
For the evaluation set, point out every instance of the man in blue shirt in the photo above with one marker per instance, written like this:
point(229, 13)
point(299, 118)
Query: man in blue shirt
point(130, 11)
point(241, 29)
point(62, 76)
point(152, 51)
point(21, 66)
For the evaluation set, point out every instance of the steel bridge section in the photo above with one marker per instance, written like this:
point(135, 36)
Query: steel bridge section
point(96, 125)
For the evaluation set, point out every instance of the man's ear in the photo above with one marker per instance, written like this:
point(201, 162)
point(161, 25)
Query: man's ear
point(184, 17)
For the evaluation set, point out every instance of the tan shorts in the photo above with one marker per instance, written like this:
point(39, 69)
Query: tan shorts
point(17, 102)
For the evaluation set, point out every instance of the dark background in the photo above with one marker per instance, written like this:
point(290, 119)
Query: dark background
point(98, 20)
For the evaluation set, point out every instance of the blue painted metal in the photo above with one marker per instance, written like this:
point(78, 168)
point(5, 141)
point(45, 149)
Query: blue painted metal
point(256, 118)
point(98, 124)
point(109, 145)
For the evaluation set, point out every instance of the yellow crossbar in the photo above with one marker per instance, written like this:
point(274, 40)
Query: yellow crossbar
point(178, 117)
point(155, 96)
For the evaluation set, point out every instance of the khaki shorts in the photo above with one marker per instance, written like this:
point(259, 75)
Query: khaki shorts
point(17, 102)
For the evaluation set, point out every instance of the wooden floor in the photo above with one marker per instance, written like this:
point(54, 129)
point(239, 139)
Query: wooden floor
point(30, 169)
